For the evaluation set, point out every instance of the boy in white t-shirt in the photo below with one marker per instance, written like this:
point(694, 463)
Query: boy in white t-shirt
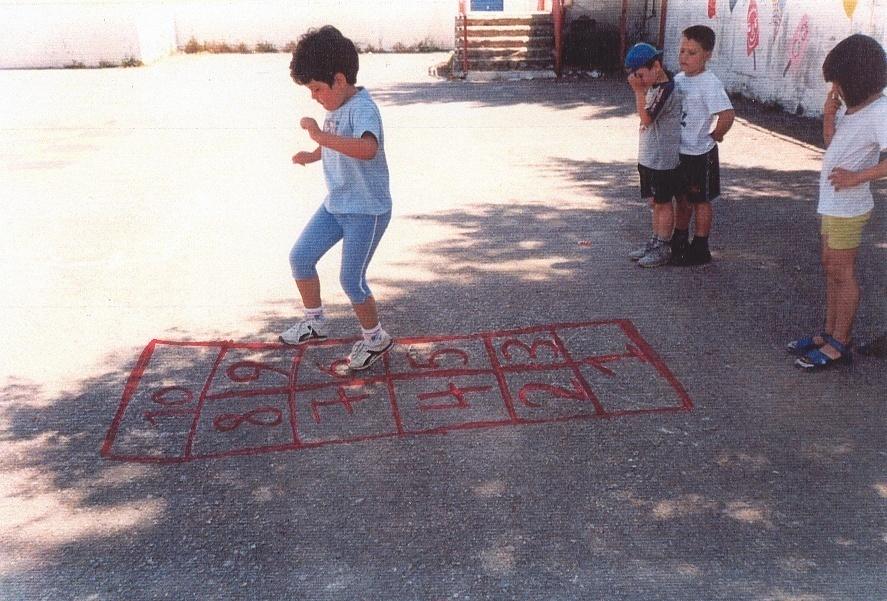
point(855, 135)
point(707, 116)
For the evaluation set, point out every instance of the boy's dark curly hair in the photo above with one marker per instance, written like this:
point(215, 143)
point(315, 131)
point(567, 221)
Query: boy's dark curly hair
point(321, 53)
point(857, 64)
point(702, 35)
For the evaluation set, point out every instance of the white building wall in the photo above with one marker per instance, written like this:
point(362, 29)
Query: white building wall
point(41, 34)
point(793, 37)
point(380, 23)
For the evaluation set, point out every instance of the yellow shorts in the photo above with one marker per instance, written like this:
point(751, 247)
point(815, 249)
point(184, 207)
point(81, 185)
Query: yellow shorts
point(843, 233)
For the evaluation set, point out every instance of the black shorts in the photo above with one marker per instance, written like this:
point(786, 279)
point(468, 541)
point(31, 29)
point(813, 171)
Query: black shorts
point(701, 175)
point(659, 184)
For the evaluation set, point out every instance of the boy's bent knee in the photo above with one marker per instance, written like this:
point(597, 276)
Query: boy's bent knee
point(303, 267)
point(356, 291)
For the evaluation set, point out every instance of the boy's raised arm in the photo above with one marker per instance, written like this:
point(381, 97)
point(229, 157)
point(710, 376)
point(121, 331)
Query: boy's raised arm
point(305, 158)
point(829, 115)
point(363, 148)
point(640, 99)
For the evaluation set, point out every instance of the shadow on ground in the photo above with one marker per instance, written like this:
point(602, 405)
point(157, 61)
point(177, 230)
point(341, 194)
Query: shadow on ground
point(606, 96)
point(771, 488)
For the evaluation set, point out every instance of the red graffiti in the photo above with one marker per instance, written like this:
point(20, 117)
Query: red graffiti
point(712, 9)
point(753, 37)
point(798, 46)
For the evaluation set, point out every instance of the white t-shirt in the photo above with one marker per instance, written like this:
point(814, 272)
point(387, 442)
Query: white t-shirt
point(704, 97)
point(857, 144)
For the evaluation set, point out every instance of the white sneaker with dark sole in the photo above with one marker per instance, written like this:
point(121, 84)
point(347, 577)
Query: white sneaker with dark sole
point(658, 256)
point(306, 331)
point(364, 355)
point(639, 253)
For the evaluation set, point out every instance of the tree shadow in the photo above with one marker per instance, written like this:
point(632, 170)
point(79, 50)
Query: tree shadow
point(775, 119)
point(737, 499)
point(608, 96)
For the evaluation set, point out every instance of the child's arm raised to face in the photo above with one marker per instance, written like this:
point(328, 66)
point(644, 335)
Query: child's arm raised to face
point(363, 148)
point(640, 98)
point(723, 125)
point(829, 111)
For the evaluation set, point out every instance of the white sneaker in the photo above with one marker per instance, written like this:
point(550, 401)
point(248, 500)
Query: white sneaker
point(364, 354)
point(658, 256)
point(639, 253)
point(305, 331)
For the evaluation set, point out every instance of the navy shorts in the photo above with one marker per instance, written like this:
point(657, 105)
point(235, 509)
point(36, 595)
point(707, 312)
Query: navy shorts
point(701, 175)
point(659, 184)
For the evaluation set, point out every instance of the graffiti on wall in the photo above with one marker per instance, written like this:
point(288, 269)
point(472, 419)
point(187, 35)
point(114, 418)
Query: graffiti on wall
point(798, 46)
point(772, 50)
point(752, 36)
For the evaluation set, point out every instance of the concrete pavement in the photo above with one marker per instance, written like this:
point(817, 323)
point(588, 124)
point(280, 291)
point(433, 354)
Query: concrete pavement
point(557, 424)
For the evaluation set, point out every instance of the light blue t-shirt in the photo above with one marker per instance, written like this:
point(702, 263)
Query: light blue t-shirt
point(354, 185)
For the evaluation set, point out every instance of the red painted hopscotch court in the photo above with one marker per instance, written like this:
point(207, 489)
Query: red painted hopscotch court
point(243, 398)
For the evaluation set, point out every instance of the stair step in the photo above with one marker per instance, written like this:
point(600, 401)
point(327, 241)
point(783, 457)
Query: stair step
point(507, 21)
point(485, 53)
point(490, 33)
point(508, 65)
point(513, 42)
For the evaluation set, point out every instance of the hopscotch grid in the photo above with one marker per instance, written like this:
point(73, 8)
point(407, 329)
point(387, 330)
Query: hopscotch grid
point(500, 377)
point(596, 403)
point(201, 401)
point(389, 378)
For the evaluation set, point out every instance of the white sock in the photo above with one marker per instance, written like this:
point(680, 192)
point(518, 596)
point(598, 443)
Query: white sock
point(374, 335)
point(316, 314)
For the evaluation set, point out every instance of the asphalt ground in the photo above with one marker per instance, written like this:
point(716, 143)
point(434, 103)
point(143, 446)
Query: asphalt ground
point(555, 422)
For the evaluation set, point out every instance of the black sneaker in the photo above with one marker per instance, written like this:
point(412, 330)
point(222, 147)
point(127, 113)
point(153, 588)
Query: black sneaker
point(696, 256)
point(679, 250)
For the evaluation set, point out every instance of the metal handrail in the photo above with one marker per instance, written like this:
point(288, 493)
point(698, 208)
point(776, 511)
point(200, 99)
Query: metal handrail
point(464, 15)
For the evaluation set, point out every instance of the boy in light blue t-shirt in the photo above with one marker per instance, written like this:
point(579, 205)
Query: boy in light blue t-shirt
point(357, 208)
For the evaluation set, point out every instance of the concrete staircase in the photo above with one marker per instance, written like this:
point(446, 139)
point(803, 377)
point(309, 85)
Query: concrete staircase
point(497, 45)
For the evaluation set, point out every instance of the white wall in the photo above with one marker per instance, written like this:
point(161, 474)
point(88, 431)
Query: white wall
point(43, 34)
point(786, 66)
point(380, 23)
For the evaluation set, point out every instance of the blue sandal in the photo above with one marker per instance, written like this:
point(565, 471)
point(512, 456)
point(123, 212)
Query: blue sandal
point(815, 360)
point(802, 346)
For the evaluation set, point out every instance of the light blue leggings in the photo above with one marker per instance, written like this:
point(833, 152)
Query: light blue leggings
point(360, 235)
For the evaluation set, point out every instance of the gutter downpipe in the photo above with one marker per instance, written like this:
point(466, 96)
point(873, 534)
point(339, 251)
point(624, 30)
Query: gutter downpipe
point(464, 16)
point(622, 32)
point(663, 13)
point(557, 10)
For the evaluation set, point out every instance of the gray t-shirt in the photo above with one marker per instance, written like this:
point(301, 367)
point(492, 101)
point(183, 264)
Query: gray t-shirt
point(660, 142)
point(355, 185)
